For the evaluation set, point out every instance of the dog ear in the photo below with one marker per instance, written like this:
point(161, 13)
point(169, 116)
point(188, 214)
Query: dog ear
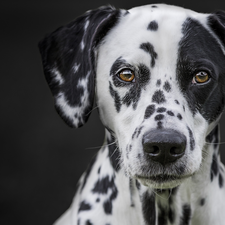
point(216, 22)
point(68, 57)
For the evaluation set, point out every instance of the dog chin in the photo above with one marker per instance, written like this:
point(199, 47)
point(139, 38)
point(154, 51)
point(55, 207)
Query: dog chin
point(162, 181)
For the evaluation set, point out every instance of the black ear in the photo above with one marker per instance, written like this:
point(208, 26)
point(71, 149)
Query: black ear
point(68, 57)
point(216, 22)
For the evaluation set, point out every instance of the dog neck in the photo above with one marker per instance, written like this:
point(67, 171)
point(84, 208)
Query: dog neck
point(186, 203)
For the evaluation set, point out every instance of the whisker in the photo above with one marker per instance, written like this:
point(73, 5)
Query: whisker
point(113, 152)
point(101, 146)
point(91, 110)
point(217, 143)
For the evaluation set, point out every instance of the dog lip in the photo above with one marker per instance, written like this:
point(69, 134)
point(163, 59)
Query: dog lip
point(163, 178)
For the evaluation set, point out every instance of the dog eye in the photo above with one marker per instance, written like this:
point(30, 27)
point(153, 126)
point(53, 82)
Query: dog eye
point(126, 75)
point(200, 77)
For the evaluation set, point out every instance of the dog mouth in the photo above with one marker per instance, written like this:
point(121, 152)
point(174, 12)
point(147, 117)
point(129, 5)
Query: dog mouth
point(162, 181)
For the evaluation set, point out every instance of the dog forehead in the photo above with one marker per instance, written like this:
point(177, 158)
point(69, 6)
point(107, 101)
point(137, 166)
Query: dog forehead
point(163, 13)
point(159, 24)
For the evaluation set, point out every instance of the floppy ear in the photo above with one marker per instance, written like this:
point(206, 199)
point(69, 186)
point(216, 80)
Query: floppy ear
point(216, 22)
point(68, 57)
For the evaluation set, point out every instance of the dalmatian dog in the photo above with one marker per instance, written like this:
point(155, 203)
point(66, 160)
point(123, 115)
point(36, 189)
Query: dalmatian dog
point(157, 73)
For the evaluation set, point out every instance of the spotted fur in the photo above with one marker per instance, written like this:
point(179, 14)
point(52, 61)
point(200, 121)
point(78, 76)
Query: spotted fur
point(160, 162)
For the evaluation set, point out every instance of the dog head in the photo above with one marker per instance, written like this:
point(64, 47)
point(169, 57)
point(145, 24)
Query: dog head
point(158, 75)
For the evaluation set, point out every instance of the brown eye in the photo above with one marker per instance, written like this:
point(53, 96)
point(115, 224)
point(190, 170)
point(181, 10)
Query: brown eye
point(201, 77)
point(126, 75)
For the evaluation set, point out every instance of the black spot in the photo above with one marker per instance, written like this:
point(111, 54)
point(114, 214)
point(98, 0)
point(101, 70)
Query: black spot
point(162, 220)
point(88, 171)
point(158, 97)
point(130, 148)
point(158, 83)
point(139, 131)
point(131, 186)
point(138, 185)
point(171, 215)
point(154, 6)
point(214, 167)
point(167, 86)
point(98, 200)
point(159, 125)
point(84, 206)
point(159, 117)
point(177, 102)
point(161, 110)
point(107, 205)
point(88, 222)
point(148, 208)
point(186, 215)
point(147, 47)
point(149, 111)
point(153, 26)
point(220, 180)
point(102, 186)
point(179, 116)
point(143, 75)
point(192, 140)
point(135, 132)
point(127, 152)
point(114, 154)
point(116, 97)
point(202, 201)
point(184, 108)
point(170, 113)
point(99, 169)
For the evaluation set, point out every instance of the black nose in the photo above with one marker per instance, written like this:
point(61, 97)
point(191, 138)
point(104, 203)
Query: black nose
point(164, 145)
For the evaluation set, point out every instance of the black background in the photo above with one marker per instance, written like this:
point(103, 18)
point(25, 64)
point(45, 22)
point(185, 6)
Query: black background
point(41, 157)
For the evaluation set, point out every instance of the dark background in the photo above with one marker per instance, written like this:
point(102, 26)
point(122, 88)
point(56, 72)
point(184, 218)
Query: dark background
point(41, 158)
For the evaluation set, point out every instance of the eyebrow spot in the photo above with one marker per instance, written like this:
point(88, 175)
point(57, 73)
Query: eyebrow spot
point(147, 47)
point(153, 26)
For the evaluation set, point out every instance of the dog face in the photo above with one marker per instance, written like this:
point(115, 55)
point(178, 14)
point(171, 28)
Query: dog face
point(159, 75)
point(164, 57)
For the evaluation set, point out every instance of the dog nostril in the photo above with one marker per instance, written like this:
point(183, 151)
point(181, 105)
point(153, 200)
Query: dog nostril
point(176, 151)
point(154, 150)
